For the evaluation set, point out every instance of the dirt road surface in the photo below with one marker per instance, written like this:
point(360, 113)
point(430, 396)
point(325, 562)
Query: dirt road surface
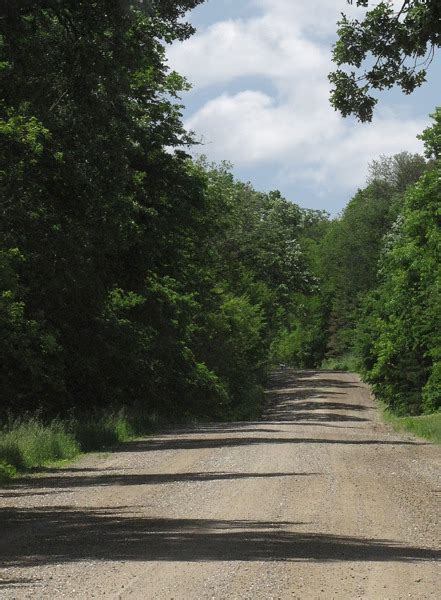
point(317, 500)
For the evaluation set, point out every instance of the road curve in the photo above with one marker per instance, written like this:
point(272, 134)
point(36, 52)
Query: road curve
point(318, 499)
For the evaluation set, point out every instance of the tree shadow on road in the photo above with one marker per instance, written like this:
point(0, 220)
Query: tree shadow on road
point(231, 442)
point(294, 410)
point(302, 396)
point(64, 535)
point(69, 478)
point(17, 582)
point(310, 379)
point(294, 405)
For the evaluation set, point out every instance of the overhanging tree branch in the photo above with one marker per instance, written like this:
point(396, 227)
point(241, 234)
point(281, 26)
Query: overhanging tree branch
point(393, 39)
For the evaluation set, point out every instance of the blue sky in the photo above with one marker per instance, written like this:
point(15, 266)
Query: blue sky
point(260, 100)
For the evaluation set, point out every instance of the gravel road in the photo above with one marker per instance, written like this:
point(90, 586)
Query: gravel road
point(319, 499)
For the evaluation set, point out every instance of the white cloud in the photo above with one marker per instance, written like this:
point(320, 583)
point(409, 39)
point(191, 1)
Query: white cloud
point(251, 128)
point(264, 47)
point(287, 43)
point(348, 162)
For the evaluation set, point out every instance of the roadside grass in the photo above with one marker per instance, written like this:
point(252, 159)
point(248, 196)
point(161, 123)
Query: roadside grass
point(97, 432)
point(347, 362)
point(28, 444)
point(424, 426)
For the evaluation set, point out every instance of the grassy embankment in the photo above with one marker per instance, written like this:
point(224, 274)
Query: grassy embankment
point(30, 444)
point(424, 426)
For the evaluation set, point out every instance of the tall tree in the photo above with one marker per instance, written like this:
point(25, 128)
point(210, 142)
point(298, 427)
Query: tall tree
point(98, 216)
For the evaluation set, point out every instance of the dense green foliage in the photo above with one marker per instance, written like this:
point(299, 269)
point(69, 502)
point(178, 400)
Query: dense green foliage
point(99, 219)
point(130, 275)
point(396, 44)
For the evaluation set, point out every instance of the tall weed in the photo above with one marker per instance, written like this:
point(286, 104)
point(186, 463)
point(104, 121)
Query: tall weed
point(28, 444)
